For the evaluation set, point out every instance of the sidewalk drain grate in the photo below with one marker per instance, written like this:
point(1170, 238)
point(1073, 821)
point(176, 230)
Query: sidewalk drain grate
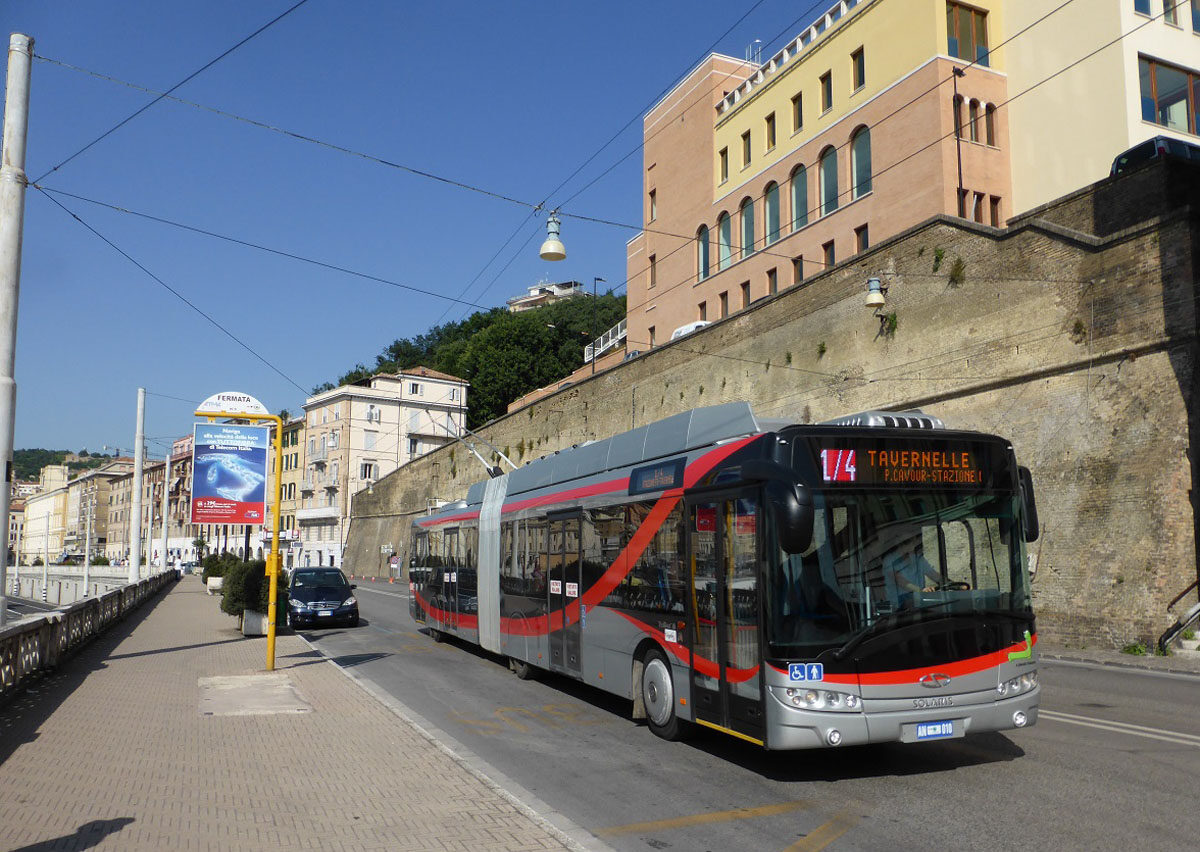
point(250, 695)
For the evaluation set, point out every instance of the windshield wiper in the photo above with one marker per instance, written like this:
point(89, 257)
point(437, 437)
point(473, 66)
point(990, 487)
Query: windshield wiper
point(890, 622)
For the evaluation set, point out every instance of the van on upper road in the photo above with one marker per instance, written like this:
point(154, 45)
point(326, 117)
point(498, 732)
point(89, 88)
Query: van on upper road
point(684, 330)
point(1152, 149)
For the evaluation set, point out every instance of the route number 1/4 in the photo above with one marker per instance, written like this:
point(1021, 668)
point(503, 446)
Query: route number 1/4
point(838, 465)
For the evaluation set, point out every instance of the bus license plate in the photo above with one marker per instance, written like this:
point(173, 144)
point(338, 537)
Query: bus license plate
point(935, 730)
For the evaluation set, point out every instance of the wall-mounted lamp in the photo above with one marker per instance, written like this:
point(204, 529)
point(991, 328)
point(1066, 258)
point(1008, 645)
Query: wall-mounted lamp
point(553, 249)
point(876, 294)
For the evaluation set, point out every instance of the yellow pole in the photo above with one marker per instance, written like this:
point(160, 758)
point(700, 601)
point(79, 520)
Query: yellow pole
point(273, 559)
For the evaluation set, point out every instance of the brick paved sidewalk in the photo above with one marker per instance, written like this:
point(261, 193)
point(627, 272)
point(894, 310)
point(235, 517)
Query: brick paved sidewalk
point(115, 752)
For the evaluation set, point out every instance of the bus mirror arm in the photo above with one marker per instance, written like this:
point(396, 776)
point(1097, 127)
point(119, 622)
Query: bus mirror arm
point(1028, 504)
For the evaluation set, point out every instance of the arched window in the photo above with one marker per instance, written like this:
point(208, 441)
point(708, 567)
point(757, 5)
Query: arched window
point(799, 198)
point(747, 210)
point(989, 124)
point(973, 119)
point(724, 240)
point(860, 161)
point(702, 253)
point(958, 116)
point(829, 181)
point(771, 206)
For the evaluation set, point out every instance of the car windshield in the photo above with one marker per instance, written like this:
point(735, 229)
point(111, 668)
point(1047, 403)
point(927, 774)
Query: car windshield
point(313, 579)
point(881, 559)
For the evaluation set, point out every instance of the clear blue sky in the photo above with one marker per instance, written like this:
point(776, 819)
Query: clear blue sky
point(509, 97)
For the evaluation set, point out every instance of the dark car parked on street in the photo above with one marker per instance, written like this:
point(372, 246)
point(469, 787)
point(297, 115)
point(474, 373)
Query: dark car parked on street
point(320, 596)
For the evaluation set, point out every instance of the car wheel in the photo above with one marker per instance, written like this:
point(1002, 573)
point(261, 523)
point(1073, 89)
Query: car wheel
point(658, 694)
point(522, 669)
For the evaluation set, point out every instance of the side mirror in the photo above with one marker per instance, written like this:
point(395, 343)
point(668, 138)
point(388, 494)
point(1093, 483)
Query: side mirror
point(1032, 529)
point(354, 585)
point(793, 510)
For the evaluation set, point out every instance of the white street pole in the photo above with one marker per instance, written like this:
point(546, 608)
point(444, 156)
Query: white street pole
point(87, 543)
point(46, 557)
point(12, 224)
point(135, 519)
point(166, 486)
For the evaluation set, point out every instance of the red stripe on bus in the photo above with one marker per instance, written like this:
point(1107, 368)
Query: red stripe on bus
point(958, 668)
point(467, 622)
point(705, 666)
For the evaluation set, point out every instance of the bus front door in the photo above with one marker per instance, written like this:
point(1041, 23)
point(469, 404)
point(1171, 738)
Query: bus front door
point(726, 671)
point(563, 572)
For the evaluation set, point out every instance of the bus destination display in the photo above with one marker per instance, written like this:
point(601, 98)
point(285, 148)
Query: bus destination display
point(880, 466)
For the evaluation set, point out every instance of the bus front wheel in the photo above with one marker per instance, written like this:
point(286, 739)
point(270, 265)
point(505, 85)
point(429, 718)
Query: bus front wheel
point(658, 694)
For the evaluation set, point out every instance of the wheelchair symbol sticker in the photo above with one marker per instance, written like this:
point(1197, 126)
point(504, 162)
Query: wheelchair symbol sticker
point(811, 672)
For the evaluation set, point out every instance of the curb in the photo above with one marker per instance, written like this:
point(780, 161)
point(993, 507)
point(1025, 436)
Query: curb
point(558, 825)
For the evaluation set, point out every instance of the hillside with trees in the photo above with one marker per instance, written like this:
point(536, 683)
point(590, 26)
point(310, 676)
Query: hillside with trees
point(28, 464)
point(503, 355)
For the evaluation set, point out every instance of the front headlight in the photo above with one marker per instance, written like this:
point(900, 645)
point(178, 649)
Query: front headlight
point(1017, 685)
point(350, 601)
point(292, 602)
point(822, 699)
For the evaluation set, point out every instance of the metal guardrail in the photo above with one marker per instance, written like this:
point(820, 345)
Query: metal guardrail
point(39, 644)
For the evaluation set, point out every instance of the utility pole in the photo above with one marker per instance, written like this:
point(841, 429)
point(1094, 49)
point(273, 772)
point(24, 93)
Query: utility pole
point(12, 223)
point(135, 520)
point(46, 557)
point(165, 506)
point(961, 204)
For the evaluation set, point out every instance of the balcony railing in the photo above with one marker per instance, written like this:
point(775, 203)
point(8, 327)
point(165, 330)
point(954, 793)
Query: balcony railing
point(318, 513)
point(320, 453)
point(604, 342)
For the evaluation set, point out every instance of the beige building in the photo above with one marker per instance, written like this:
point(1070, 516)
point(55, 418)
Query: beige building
point(87, 507)
point(1066, 131)
point(544, 293)
point(45, 524)
point(291, 495)
point(759, 175)
point(357, 433)
point(16, 523)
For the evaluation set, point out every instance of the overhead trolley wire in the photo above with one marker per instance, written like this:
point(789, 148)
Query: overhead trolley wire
point(173, 291)
point(182, 82)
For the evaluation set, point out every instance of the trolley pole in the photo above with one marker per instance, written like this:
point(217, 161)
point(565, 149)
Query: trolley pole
point(12, 224)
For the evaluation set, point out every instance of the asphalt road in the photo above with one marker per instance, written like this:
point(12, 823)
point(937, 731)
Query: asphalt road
point(1110, 764)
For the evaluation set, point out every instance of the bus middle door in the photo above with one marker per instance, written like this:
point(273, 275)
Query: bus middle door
point(448, 591)
point(726, 674)
point(563, 590)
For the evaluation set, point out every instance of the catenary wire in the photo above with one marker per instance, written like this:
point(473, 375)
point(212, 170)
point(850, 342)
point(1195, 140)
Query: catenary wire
point(174, 292)
point(182, 82)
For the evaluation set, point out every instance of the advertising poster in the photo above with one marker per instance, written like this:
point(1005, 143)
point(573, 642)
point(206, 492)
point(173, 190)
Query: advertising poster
point(229, 474)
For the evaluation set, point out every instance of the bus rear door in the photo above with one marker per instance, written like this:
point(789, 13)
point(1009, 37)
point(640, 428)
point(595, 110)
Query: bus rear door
point(726, 673)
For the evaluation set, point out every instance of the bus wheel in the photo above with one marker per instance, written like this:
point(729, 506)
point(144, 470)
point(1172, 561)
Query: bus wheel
point(522, 669)
point(658, 694)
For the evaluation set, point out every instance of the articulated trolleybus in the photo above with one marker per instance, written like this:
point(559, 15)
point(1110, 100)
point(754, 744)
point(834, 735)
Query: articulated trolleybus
point(795, 586)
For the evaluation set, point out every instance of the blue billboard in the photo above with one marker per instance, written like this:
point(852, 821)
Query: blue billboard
point(229, 474)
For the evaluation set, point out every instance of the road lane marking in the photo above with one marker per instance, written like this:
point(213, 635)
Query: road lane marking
point(823, 835)
point(703, 819)
point(362, 588)
point(1176, 737)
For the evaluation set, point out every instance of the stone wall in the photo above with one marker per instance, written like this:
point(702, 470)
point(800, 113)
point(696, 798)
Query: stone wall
point(1080, 347)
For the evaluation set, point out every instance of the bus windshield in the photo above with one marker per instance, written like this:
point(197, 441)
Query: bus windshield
point(879, 558)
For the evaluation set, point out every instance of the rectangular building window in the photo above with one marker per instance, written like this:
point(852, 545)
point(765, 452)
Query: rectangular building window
point(653, 205)
point(772, 281)
point(723, 164)
point(702, 311)
point(652, 336)
point(798, 108)
point(1169, 13)
point(653, 270)
point(724, 305)
point(830, 258)
point(963, 194)
point(826, 92)
point(797, 269)
point(861, 240)
point(414, 446)
point(369, 438)
point(746, 152)
point(745, 294)
point(366, 471)
point(769, 131)
point(414, 389)
point(1169, 95)
point(1196, 16)
point(858, 69)
point(977, 208)
point(995, 211)
point(966, 33)
point(1142, 6)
